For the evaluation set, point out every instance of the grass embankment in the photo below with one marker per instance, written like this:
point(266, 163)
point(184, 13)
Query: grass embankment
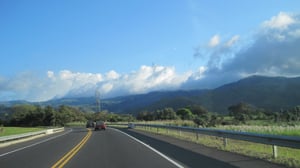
point(286, 156)
point(76, 124)
point(6, 131)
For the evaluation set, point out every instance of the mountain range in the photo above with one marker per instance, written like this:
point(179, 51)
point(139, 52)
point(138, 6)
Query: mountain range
point(270, 93)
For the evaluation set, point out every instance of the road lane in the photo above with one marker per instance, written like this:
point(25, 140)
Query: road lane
point(42, 155)
point(12, 148)
point(108, 148)
point(112, 149)
point(187, 158)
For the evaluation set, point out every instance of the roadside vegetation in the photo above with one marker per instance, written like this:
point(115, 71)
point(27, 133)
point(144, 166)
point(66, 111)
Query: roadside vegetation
point(6, 131)
point(36, 116)
point(286, 156)
point(241, 117)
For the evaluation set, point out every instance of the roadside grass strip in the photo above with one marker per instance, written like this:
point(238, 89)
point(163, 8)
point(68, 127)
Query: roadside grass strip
point(6, 131)
point(66, 158)
point(287, 156)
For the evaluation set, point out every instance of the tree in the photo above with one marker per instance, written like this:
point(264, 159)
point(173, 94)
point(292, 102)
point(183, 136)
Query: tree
point(185, 114)
point(63, 115)
point(241, 111)
point(169, 114)
point(22, 115)
point(50, 117)
point(198, 110)
point(201, 121)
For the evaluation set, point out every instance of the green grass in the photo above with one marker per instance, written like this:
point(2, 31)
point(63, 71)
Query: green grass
point(274, 130)
point(76, 124)
point(6, 131)
point(262, 128)
point(286, 156)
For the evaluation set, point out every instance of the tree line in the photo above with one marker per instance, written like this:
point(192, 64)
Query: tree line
point(238, 113)
point(35, 115)
point(196, 113)
point(243, 112)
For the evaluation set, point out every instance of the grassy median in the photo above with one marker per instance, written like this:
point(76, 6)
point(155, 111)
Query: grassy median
point(6, 131)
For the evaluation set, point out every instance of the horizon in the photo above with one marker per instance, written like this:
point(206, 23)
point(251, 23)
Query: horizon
point(155, 91)
point(59, 49)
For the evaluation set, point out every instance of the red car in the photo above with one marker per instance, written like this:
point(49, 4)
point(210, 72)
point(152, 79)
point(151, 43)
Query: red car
point(100, 125)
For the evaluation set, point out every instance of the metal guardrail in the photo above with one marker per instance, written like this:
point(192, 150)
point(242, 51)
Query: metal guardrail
point(27, 135)
point(274, 140)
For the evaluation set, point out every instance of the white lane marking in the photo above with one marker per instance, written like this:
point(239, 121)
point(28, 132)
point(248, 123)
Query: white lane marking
point(154, 150)
point(37, 143)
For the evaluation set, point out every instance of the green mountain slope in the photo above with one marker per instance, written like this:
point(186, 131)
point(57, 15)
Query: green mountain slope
point(272, 93)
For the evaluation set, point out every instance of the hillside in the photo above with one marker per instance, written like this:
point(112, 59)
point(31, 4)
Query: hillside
point(272, 93)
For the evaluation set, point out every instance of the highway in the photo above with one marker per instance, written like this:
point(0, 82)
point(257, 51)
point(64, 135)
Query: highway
point(108, 148)
point(79, 147)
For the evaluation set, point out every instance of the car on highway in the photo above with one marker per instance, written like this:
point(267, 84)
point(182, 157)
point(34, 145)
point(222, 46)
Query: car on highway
point(131, 125)
point(90, 124)
point(100, 125)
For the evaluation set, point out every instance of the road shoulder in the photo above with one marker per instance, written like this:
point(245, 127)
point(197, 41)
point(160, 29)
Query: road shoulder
point(224, 156)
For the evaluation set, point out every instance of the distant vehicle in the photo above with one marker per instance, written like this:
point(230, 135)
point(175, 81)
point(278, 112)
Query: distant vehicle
point(100, 125)
point(131, 125)
point(90, 124)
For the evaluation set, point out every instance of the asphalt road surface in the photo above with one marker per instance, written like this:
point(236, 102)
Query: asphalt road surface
point(112, 148)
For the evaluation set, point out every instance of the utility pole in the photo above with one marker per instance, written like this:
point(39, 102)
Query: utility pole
point(98, 100)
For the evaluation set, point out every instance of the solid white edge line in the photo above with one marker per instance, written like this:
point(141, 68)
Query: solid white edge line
point(151, 148)
point(37, 143)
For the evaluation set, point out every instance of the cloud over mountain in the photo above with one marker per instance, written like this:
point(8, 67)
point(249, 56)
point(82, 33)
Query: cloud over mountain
point(67, 83)
point(273, 50)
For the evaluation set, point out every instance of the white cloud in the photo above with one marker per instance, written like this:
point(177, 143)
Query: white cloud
point(274, 51)
point(106, 88)
point(150, 78)
point(232, 41)
point(112, 75)
point(199, 74)
point(50, 74)
point(32, 87)
point(295, 33)
point(281, 21)
point(214, 41)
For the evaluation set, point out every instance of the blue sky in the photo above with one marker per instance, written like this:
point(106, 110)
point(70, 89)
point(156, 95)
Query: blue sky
point(72, 48)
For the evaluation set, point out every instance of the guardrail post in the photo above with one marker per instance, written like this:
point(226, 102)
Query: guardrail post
point(225, 142)
point(197, 135)
point(275, 153)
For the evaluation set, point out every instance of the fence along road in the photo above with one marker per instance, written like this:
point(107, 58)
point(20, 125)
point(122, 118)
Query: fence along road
point(274, 140)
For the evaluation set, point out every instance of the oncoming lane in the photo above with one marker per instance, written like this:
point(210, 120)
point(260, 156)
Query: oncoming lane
point(42, 152)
